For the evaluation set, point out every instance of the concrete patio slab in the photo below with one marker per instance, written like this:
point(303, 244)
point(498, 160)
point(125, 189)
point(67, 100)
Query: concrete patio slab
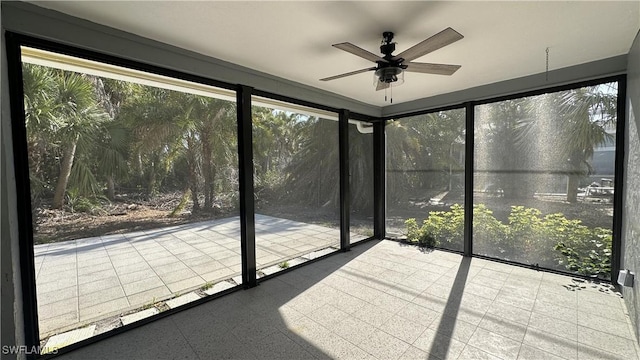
point(131, 318)
point(85, 279)
point(181, 300)
point(56, 342)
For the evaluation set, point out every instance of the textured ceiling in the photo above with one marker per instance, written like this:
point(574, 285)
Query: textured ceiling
point(292, 39)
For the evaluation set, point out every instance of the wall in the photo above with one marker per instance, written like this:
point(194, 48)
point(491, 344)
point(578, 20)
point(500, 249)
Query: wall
point(630, 222)
point(11, 304)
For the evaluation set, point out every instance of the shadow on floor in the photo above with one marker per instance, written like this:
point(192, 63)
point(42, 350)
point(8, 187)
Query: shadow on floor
point(444, 334)
point(265, 322)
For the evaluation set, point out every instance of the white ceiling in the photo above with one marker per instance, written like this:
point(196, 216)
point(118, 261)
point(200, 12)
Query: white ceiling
point(292, 39)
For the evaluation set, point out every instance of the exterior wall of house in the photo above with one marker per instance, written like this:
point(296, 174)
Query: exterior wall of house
point(631, 204)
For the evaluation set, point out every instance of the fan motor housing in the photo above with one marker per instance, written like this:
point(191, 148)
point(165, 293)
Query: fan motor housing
point(388, 74)
point(388, 49)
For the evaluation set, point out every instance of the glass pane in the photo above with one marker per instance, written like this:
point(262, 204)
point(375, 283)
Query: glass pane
point(361, 180)
point(425, 179)
point(296, 175)
point(134, 196)
point(543, 179)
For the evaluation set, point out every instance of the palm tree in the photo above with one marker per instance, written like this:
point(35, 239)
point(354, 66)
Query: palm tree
point(562, 130)
point(39, 87)
point(215, 125)
point(150, 114)
point(421, 153)
point(81, 119)
point(585, 114)
point(313, 174)
point(501, 155)
point(62, 114)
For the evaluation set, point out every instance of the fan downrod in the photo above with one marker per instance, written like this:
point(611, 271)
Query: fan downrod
point(388, 46)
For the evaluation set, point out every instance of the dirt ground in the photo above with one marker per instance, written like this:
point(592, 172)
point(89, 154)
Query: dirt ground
point(134, 214)
point(128, 215)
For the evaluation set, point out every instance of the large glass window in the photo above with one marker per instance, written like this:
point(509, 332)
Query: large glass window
point(425, 178)
point(543, 179)
point(361, 180)
point(296, 179)
point(134, 184)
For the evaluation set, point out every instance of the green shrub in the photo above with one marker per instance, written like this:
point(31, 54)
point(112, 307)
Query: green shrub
point(586, 251)
point(90, 205)
point(489, 234)
point(551, 241)
point(419, 235)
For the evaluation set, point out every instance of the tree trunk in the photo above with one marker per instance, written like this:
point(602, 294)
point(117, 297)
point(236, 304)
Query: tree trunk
point(69, 153)
point(111, 188)
point(207, 169)
point(572, 188)
point(151, 180)
point(193, 174)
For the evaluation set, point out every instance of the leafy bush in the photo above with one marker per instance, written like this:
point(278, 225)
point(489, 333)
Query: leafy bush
point(489, 234)
point(420, 235)
point(90, 205)
point(552, 241)
point(585, 251)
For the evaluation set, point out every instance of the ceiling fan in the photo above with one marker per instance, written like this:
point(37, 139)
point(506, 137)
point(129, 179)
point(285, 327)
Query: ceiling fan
point(390, 67)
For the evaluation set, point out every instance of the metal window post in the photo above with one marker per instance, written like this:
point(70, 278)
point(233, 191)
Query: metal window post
point(618, 200)
point(247, 205)
point(379, 180)
point(345, 195)
point(468, 179)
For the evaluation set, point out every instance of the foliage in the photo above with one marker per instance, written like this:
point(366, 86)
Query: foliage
point(180, 207)
point(419, 235)
point(552, 240)
point(208, 285)
point(423, 153)
point(78, 203)
point(585, 251)
point(284, 265)
point(150, 304)
point(519, 141)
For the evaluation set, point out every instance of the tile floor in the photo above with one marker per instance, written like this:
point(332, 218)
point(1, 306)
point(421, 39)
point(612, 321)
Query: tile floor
point(385, 300)
point(87, 279)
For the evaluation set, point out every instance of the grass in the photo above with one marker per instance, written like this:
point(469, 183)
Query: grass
point(208, 285)
point(149, 305)
point(283, 265)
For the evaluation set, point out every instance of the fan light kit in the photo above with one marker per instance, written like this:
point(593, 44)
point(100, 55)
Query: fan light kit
point(390, 68)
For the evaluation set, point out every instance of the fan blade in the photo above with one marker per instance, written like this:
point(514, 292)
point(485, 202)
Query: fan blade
point(358, 51)
point(437, 41)
point(426, 68)
point(382, 85)
point(348, 74)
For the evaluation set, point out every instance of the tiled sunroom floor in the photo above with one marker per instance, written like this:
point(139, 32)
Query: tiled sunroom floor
point(385, 300)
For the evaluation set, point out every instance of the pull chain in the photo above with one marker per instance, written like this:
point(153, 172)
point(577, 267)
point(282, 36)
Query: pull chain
point(546, 74)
